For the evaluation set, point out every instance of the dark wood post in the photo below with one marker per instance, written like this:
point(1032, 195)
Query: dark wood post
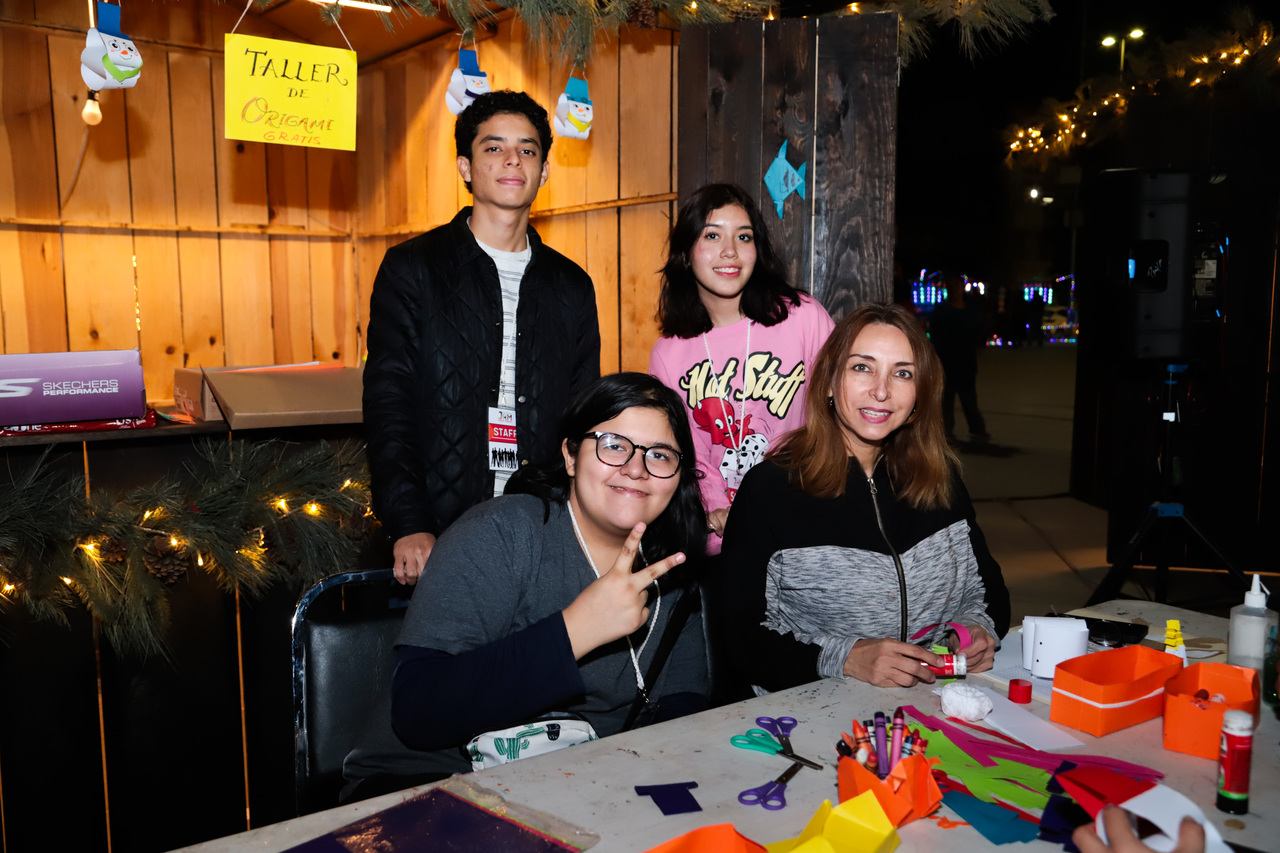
point(827, 87)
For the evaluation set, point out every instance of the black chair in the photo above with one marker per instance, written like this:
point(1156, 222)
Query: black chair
point(343, 631)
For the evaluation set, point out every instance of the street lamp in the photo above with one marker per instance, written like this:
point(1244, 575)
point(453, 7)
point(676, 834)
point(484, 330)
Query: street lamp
point(1110, 41)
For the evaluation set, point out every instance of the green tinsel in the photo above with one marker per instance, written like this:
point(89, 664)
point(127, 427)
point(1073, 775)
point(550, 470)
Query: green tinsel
point(250, 514)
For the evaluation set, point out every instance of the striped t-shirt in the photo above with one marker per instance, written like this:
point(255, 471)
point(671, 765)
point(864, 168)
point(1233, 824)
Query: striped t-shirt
point(511, 267)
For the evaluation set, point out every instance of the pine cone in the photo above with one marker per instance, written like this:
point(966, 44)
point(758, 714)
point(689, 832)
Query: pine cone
point(642, 15)
point(276, 556)
point(112, 551)
point(167, 563)
point(358, 524)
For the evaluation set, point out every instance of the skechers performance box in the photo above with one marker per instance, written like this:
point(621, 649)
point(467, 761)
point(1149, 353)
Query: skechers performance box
point(64, 387)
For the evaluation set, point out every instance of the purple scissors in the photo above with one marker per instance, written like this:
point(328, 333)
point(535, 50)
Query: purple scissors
point(779, 727)
point(769, 794)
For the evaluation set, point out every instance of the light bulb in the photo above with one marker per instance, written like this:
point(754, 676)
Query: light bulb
point(92, 113)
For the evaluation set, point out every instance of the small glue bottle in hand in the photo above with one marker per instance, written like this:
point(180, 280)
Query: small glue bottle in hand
point(1234, 758)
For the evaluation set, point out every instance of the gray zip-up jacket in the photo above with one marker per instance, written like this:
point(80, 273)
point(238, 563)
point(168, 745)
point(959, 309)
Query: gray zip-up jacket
point(808, 577)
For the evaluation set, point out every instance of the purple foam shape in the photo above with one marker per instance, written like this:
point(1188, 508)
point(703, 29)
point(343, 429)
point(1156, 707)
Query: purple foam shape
point(673, 798)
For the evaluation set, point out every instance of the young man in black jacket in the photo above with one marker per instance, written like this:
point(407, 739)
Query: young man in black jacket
point(478, 337)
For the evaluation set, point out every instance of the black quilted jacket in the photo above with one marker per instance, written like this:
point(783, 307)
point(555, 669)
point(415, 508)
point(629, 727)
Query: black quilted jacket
point(435, 344)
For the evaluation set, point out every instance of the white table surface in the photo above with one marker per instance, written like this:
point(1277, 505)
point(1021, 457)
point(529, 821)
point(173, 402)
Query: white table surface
point(592, 785)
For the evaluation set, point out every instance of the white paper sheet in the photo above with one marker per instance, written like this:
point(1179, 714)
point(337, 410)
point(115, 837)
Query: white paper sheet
point(1166, 808)
point(1019, 723)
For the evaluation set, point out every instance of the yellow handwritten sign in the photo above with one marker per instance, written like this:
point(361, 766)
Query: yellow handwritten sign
point(290, 93)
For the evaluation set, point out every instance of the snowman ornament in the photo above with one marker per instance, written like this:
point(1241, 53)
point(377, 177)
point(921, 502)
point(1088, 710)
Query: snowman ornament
point(110, 60)
point(573, 110)
point(466, 83)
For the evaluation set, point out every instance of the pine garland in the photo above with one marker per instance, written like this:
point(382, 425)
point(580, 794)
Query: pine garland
point(250, 514)
point(568, 29)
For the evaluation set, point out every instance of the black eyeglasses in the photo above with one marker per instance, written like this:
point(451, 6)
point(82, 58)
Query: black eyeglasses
point(616, 450)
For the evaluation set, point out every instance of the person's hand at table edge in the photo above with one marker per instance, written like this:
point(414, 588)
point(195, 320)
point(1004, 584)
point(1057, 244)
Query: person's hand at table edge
point(1122, 839)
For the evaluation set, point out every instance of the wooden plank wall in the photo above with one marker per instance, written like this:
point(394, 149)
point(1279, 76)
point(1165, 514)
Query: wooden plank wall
point(408, 178)
point(155, 246)
point(260, 254)
point(828, 88)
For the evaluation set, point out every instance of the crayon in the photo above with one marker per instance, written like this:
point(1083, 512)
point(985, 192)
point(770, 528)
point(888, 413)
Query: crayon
point(864, 747)
point(860, 735)
point(895, 743)
point(885, 761)
point(873, 760)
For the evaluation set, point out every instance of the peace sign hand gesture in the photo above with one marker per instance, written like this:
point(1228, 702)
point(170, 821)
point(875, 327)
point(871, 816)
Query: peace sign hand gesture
point(614, 605)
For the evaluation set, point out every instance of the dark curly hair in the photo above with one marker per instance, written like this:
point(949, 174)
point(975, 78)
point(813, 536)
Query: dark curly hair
point(765, 296)
point(501, 102)
point(682, 526)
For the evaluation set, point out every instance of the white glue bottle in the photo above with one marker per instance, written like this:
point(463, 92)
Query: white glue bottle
point(1251, 624)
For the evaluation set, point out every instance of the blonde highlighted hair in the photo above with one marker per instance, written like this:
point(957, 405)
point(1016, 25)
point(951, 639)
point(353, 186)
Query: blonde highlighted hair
point(919, 460)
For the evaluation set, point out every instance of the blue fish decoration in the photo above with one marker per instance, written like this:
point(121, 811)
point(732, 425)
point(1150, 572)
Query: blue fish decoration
point(782, 179)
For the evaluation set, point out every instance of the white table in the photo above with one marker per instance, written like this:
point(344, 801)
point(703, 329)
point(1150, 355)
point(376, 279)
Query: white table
point(592, 785)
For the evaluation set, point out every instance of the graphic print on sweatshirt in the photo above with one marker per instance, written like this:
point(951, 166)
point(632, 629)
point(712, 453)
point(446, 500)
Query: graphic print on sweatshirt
point(715, 400)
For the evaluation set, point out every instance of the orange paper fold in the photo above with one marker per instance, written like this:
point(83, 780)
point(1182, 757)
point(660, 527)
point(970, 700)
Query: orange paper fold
point(908, 793)
point(717, 838)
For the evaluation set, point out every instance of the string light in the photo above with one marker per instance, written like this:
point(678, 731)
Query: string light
point(92, 112)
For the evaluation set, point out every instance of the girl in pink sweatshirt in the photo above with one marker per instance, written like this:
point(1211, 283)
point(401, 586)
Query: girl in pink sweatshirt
point(737, 340)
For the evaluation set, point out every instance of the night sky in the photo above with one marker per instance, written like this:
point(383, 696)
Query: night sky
point(952, 198)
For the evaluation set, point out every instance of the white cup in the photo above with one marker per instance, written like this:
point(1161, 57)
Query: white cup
point(1049, 640)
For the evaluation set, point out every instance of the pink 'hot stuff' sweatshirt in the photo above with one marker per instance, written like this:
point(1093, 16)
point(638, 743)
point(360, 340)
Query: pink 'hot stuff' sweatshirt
point(731, 434)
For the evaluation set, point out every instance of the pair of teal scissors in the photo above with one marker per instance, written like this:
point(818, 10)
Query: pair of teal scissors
point(761, 741)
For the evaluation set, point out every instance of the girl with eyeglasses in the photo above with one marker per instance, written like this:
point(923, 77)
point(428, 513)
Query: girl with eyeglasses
point(555, 596)
point(738, 340)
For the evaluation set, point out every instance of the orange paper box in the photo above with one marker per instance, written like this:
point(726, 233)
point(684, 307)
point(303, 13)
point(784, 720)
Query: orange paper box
point(909, 793)
point(1194, 726)
point(1111, 690)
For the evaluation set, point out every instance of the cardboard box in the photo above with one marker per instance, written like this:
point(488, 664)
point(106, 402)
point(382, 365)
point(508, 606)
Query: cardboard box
point(271, 395)
point(289, 396)
point(193, 396)
point(1194, 726)
point(1111, 690)
point(68, 387)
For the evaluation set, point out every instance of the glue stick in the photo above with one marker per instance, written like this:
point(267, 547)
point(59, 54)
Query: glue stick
point(1234, 757)
point(952, 665)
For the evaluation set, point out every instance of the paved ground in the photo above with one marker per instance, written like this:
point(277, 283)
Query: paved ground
point(1052, 548)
